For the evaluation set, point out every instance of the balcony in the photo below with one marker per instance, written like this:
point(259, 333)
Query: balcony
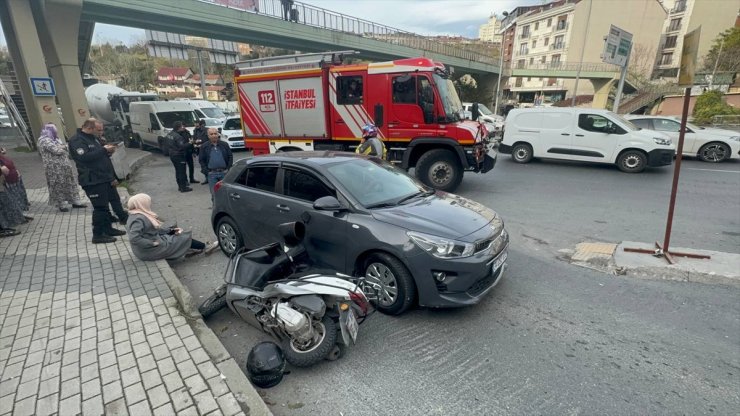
point(524, 36)
point(523, 51)
point(562, 25)
point(556, 46)
point(680, 7)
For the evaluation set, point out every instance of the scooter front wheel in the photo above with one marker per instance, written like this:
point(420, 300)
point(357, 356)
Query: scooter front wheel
point(213, 303)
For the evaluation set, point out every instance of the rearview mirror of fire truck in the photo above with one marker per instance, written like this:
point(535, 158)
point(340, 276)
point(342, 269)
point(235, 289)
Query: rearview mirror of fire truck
point(475, 112)
point(378, 115)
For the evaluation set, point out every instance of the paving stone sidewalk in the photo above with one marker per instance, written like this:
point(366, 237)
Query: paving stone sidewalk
point(90, 329)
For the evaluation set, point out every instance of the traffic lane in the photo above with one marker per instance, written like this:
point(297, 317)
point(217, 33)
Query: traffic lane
point(551, 338)
point(553, 205)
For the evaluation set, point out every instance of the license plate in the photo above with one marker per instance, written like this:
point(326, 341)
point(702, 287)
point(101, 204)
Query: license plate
point(499, 261)
point(352, 325)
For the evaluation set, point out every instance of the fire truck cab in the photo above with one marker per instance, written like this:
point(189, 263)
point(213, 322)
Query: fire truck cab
point(315, 102)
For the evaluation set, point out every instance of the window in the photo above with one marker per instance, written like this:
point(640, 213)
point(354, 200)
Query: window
point(349, 90)
point(534, 44)
point(304, 186)
point(555, 60)
point(549, 22)
point(525, 32)
point(670, 42)
point(523, 49)
point(543, 59)
point(558, 42)
point(666, 125)
point(169, 118)
point(404, 89)
point(531, 61)
point(675, 25)
point(536, 25)
point(642, 123)
point(598, 124)
point(547, 41)
point(259, 177)
point(666, 59)
point(521, 63)
point(529, 79)
point(153, 121)
point(518, 82)
point(562, 23)
point(233, 124)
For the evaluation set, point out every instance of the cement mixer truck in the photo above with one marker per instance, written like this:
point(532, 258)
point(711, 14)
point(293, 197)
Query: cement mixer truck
point(111, 105)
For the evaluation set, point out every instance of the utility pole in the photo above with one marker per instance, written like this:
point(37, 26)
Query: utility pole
point(500, 74)
point(203, 91)
point(583, 49)
point(716, 62)
point(618, 98)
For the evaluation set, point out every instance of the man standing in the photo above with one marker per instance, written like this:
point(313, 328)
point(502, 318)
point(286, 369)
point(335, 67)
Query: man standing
point(200, 134)
point(189, 152)
point(287, 5)
point(96, 176)
point(178, 144)
point(216, 157)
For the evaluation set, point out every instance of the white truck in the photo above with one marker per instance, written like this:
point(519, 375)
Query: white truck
point(151, 121)
point(207, 111)
point(110, 104)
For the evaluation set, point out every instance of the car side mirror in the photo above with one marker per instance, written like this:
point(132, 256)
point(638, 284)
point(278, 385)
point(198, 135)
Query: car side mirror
point(327, 203)
point(475, 112)
point(219, 129)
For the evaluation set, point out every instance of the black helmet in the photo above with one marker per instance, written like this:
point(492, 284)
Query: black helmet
point(265, 364)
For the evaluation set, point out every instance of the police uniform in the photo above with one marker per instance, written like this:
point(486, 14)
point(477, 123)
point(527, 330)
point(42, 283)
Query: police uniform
point(96, 176)
point(178, 146)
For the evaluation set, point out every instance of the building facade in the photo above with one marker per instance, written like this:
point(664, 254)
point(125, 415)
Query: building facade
point(491, 30)
point(714, 17)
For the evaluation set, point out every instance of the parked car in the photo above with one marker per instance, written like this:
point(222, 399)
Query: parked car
point(494, 122)
point(231, 132)
point(366, 217)
point(583, 134)
point(708, 144)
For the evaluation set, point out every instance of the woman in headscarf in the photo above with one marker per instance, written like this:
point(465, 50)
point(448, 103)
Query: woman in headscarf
point(152, 240)
point(61, 174)
point(10, 214)
point(14, 186)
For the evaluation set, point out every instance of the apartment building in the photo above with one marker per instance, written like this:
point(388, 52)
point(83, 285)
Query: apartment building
point(714, 17)
point(491, 30)
point(555, 34)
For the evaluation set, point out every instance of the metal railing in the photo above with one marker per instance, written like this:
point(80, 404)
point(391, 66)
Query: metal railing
point(16, 116)
point(726, 121)
point(570, 66)
point(317, 17)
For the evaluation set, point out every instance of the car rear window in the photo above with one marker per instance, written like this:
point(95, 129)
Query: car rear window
point(259, 177)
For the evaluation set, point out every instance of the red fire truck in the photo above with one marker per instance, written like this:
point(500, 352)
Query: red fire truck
point(315, 102)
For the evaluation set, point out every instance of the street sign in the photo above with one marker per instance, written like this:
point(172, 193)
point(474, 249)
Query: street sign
point(617, 45)
point(688, 58)
point(43, 87)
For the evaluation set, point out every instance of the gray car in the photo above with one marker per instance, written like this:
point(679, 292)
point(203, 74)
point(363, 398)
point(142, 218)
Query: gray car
point(366, 217)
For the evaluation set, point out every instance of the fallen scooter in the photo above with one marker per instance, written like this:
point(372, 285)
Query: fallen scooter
point(314, 315)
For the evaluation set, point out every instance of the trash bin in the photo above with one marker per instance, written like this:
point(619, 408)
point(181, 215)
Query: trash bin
point(120, 165)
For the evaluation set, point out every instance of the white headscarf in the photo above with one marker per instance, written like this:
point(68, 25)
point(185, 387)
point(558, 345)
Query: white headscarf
point(142, 204)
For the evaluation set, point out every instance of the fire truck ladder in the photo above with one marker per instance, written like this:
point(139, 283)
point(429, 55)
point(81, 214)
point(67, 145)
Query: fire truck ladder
point(303, 60)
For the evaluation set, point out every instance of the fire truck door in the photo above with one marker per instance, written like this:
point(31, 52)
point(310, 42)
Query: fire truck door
point(412, 107)
point(348, 95)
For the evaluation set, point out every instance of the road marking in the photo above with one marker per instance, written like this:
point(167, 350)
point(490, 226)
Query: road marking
point(716, 170)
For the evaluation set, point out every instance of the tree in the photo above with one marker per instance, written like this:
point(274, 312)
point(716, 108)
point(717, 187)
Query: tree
point(710, 104)
point(642, 58)
point(467, 87)
point(728, 60)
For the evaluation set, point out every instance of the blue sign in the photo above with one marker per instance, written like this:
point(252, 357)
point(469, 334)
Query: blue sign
point(43, 87)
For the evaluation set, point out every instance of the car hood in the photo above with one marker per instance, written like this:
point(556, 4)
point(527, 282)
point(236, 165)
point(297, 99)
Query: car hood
point(652, 134)
point(443, 215)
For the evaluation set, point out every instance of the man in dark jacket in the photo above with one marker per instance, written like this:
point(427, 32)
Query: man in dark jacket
point(96, 176)
point(200, 135)
point(216, 157)
point(178, 144)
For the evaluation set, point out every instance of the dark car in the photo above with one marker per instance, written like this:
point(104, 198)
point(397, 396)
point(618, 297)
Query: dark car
point(366, 217)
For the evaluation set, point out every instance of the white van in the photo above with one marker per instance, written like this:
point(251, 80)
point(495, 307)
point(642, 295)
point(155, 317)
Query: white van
point(152, 120)
point(583, 134)
point(207, 111)
point(231, 132)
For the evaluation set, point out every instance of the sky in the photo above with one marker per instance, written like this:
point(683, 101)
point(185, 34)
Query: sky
point(426, 17)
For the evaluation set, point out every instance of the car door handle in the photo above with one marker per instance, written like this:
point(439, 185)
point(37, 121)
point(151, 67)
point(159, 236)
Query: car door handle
point(282, 207)
point(565, 134)
point(234, 195)
point(579, 135)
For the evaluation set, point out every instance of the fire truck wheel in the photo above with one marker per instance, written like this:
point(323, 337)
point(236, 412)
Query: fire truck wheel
point(440, 169)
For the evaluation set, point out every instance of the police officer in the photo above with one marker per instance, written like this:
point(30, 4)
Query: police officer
point(97, 178)
point(179, 143)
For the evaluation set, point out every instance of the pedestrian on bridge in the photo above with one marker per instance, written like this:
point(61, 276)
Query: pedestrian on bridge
point(61, 175)
point(287, 6)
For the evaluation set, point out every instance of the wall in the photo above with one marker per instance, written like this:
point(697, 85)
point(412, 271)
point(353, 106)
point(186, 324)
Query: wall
point(673, 105)
point(714, 16)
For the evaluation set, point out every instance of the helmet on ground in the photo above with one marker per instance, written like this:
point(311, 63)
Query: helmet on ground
point(369, 130)
point(265, 364)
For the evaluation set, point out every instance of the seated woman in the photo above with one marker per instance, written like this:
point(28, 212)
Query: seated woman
point(151, 241)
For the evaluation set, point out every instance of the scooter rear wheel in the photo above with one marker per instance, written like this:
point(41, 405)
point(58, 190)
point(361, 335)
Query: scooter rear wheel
point(212, 304)
point(317, 352)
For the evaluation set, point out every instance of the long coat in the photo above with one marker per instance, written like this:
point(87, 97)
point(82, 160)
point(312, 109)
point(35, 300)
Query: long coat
point(142, 234)
point(61, 174)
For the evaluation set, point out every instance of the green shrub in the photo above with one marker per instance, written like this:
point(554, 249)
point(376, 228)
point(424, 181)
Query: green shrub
point(710, 104)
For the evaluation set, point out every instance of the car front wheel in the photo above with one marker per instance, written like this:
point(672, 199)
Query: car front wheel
point(229, 238)
point(714, 152)
point(632, 161)
point(522, 153)
point(391, 281)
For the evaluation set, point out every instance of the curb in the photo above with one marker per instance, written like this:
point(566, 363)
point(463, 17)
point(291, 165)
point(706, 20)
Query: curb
point(249, 400)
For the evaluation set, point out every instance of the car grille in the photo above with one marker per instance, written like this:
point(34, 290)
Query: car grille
point(483, 244)
point(496, 244)
point(235, 139)
point(481, 285)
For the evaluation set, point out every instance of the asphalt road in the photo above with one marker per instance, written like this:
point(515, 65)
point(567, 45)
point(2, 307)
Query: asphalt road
point(552, 338)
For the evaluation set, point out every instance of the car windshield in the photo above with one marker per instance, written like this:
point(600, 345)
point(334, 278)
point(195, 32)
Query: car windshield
point(375, 183)
point(450, 101)
point(484, 110)
point(626, 123)
point(168, 118)
point(213, 112)
point(233, 124)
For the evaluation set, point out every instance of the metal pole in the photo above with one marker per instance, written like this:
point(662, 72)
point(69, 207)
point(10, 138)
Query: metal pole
point(716, 62)
point(203, 91)
point(583, 49)
point(677, 169)
point(618, 97)
point(500, 74)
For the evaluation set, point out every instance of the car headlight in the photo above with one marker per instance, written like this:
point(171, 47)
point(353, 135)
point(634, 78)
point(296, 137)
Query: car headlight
point(660, 140)
point(441, 247)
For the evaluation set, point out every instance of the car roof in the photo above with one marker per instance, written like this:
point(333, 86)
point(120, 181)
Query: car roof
point(315, 158)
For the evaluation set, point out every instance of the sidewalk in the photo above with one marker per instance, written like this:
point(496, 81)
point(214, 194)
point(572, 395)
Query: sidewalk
point(90, 329)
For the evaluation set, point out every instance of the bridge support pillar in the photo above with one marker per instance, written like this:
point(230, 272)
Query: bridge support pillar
point(487, 84)
point(24, 46)
point(58, 28)
point(601, 92)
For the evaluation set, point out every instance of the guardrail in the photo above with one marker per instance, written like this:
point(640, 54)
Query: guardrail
point(317, 17)
point(726, 121)
point(569, 66)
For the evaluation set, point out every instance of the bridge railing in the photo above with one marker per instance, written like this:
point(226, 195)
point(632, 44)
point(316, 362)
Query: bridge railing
point(567, 66)
point(317, 17)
